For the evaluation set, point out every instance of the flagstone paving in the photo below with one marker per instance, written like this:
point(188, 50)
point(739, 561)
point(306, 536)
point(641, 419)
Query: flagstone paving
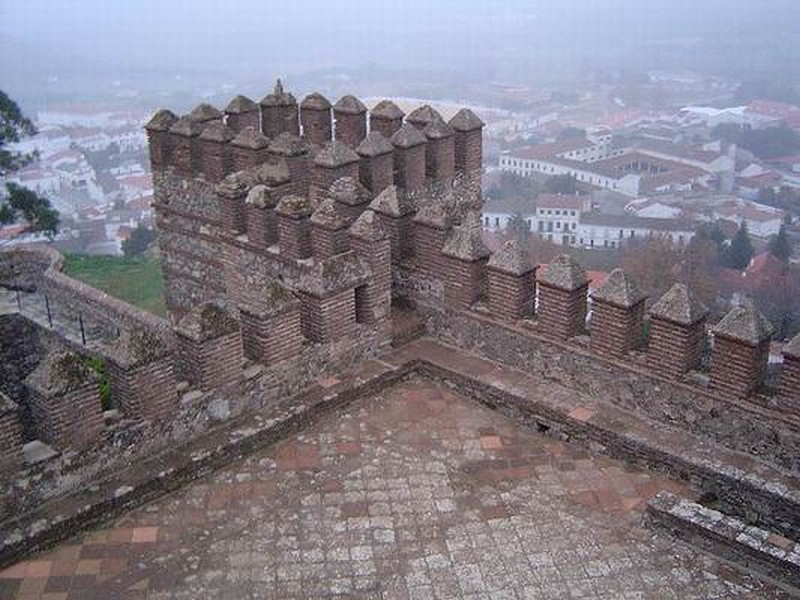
point(416, 493)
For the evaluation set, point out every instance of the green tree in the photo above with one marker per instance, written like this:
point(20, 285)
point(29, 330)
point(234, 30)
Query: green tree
point(138, 242)
point(561, 184)
point(21, 203)
point(518, 227)
point(740, 251)
point(780, 246)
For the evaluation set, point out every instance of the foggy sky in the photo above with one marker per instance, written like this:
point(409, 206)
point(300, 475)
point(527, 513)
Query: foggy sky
point(499, 38)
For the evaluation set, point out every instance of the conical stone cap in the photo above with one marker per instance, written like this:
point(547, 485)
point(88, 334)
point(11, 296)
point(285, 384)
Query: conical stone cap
point(423, 115)
point(349, 191)
point(465, 242)
point(204, 112)
point(680, 306)
point(368, 227)
point(217, 132)
point(386, 109)
point(564, 273)
point(437, 129)
point(407, 136)
point(619, 289)
point(793, 347)
point(465, 120)
point(187, 127)
point(746, 324)
point(511, 258)
point(350, 105)
point(250, 138)
point(162, 120)
point(278, 97)
point(375, 144)
point(433, 214)
point(239, 105)
point(392, 202)
point(335, 154)
point(261, 196)
point(328, 216)
point(315, 101)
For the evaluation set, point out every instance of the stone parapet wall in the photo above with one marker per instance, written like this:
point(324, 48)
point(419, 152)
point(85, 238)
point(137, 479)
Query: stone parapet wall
point(70, 420)
point(674, 349)
point(146, 391)
point(738, 369)
point(11, 458)
point(616, 330)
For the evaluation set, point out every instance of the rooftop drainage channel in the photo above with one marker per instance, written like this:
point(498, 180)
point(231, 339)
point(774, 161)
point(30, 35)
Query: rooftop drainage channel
point(746, 546)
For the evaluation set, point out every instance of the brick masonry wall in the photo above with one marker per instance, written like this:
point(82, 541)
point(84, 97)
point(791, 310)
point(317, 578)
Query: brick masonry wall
point(262, 226)
point(400, 232)
point(331, 318)
point(233, 213)
point(317, 125)
point(279, 119)
point(440, 159)
point(616, 330)
point(387, 127)
point(719, 417)
point(323, 177)
point(71, 420)
point(562, 313)
point(145, 391)
point(181, 152)
point(465, 282)
point(294, 237)
point(351, 128)
point(409, 168)
point(274, 339)
point(159, 147)
point(211, 363)
point(789, 387)
point(326, 243)
point(674, 349)
point(11, 458)
point(737, 368)
point(373, 301)
point(377, 172)
point(510, 296)
point(217, 160)
point(428, 243)
point(469, 158)
point(239, 121)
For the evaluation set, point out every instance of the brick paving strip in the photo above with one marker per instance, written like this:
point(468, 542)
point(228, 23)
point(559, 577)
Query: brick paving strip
point(526, 401)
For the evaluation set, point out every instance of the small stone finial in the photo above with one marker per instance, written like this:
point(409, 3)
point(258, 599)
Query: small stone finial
point(161, 121)
point(680, 306)
point(278, 90)
point(328, 216)
point(619, 289)
point(217, 132)
point(261, 196)
point(565, 273)
point(348, 191)
point(315, 101)
point(295, 207)
point(511, 258)
point(465, 120)
point(407, 136)
point(350, 105)
point(466, 241)
point(187, 127)
point(375, 144)
point(204, 112)
point(437, 129)
point(240, 104)
point(278, 97)
point(392, 202)
point(234, 185)
point(744, 323)
point(250, 138)
point(386, 109)
point(368, 227)
point(335, 154)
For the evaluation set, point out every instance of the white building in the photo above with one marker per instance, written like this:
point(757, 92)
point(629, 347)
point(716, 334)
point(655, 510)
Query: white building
point(597, 230)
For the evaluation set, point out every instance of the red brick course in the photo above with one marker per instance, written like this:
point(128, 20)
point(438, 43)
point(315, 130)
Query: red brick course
point(675, 348)
point(562, 313)
point(616, 330)
point(738, 368)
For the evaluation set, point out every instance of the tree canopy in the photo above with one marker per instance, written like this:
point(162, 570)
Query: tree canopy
point(780, 246)
point(740, 251)
point(138, 242)
point(19, 202)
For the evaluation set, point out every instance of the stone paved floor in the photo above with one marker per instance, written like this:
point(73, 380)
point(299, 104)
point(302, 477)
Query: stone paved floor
point(417, 493)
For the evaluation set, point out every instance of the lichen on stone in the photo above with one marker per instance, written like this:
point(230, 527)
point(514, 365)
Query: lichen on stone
point(565, 273)
point(679, 305)
point(619, 289)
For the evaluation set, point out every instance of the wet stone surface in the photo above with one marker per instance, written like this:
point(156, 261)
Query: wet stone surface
point(414, 493)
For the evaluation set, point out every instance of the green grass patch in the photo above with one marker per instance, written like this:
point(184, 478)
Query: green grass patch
point(137, 280)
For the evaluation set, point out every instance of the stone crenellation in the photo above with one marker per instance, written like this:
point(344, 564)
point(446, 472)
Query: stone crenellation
point(289, 233)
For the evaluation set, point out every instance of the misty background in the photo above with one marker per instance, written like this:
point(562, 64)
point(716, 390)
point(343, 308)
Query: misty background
point(167, 52)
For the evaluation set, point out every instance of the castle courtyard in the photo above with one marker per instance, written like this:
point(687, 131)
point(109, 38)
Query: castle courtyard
point(415, 492)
